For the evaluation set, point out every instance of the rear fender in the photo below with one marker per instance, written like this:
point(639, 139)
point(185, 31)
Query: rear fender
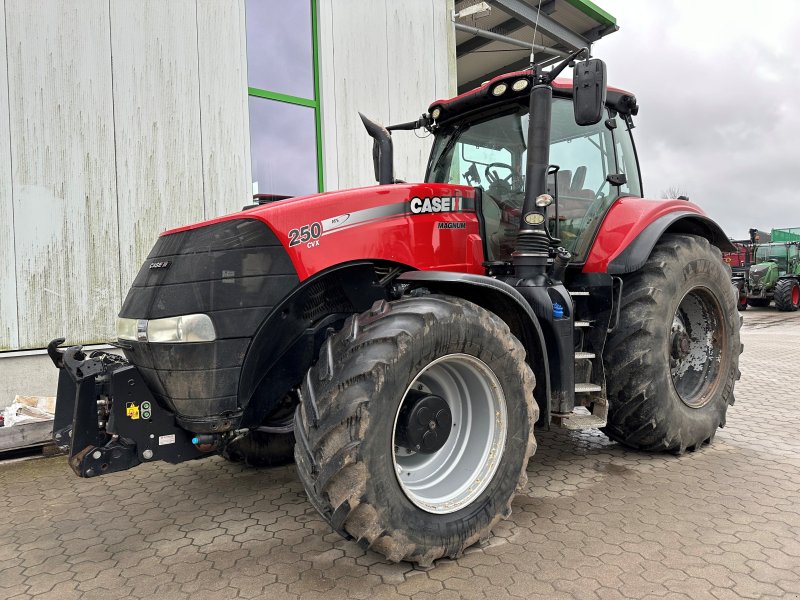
point(508, 304)
point(633, 226)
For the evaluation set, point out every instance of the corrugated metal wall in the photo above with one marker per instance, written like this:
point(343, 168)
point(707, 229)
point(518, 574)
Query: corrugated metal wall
point(118, 119)
point(389, 60)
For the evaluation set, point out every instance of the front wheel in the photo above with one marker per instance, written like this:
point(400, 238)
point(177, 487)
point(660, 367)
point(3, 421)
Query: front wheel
point(787, 295)
point(415, 427)
point(672, 361)
point(741, 303)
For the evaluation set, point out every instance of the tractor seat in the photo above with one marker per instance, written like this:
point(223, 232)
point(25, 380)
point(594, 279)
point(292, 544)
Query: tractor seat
point(573, 199)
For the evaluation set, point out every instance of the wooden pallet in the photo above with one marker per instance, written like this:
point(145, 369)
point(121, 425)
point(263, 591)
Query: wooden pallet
point(26, 435)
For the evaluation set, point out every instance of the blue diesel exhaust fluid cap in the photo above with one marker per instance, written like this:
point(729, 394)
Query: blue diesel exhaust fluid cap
point(558, 311)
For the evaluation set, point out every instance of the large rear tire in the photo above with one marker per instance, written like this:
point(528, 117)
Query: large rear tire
point(672, 361)
point(415, 427)
point(787, 295)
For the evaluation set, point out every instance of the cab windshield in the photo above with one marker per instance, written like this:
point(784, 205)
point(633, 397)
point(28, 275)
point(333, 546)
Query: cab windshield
point(490, 153)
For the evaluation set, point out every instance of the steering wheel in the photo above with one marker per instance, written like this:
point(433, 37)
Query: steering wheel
point(493, 177)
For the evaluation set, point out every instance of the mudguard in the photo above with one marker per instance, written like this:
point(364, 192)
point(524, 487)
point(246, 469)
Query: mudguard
point(633, 226)
point(508, 304)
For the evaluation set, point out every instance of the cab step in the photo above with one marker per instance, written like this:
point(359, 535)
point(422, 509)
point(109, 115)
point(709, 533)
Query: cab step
point(578, 293)
point(585, 388)
point(582, 323)
point(584, 355)
point(580, 418)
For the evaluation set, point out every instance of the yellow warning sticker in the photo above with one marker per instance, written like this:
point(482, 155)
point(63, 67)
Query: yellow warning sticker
point(132, 410)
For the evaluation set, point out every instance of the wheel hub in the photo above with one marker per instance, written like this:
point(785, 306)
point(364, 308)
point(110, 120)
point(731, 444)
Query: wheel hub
point(680, 342)
point(449, 433)
point(424, 422)
point(696, 347)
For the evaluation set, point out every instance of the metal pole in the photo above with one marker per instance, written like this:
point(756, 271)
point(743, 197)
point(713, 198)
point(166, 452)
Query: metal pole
point(490, 35)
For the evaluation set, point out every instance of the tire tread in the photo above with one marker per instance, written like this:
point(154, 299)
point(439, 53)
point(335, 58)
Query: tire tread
point(334, 413)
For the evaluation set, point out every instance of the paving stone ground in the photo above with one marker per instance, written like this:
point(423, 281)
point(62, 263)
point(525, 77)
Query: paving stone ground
point(596, 521)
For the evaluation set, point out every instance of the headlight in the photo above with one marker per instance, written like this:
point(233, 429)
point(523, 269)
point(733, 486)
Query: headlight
point(436, 112)
point(499, 89)
point(544, 200)
point(126, 329)
point(519, 85)
point(172, 330)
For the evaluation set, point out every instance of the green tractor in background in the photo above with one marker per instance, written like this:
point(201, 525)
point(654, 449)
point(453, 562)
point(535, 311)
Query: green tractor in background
point(775, 275)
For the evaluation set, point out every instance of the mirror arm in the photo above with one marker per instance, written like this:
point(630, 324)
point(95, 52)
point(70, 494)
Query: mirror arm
point(424, 121)
point(556, 71)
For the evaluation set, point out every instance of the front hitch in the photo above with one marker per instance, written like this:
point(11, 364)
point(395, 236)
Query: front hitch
point(107, 419)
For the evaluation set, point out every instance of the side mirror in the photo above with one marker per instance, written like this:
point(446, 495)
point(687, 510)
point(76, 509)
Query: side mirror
point(589, 91)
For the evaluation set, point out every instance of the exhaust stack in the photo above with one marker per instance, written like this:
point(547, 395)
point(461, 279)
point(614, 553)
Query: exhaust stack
point(382, 150)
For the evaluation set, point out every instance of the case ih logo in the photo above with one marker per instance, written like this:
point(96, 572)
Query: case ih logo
point(435, 204)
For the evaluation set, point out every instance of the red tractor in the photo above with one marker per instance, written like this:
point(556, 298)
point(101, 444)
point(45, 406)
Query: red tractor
point(401, 341)
point(740, 261)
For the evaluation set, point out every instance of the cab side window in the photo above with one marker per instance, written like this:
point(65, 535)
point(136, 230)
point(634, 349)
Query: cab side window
point(585, 157)
point(626, 159)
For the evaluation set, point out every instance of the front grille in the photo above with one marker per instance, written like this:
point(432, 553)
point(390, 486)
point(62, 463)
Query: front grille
point(236, 272)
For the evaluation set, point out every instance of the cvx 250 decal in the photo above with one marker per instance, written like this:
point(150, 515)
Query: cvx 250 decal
point(305, 235)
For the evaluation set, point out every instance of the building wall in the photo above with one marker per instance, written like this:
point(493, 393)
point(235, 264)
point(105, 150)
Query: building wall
point(390, 62)
point(122, 118)
point(118, 119)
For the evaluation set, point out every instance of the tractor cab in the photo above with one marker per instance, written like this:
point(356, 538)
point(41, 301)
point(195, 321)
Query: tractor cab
point(482, 141)
point(774, 260)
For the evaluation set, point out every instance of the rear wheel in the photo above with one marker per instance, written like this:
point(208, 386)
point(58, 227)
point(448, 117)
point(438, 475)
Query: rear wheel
point(672, 361)
point(415, 427)
point(787, 295)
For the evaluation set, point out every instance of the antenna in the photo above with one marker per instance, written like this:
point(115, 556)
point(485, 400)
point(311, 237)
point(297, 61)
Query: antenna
point(535, 27)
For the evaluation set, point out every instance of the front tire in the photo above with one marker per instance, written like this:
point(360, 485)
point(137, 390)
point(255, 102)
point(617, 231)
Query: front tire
point(741, 302)
point(787, 295)
point(359, 455)
point(672, 361)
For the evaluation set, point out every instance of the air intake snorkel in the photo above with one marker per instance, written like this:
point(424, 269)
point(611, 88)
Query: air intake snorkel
point(382, 146)
point(382, 150)
point(534, 244)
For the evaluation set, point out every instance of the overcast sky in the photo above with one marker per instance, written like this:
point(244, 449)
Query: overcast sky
point(718, 83)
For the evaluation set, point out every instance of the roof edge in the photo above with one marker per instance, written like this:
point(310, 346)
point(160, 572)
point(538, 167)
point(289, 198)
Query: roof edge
point(590, 9)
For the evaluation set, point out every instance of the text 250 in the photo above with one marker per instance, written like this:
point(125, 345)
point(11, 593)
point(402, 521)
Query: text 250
point(305, 234)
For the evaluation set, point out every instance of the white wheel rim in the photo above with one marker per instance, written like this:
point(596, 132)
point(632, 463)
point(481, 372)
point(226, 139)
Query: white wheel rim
point(455, 475)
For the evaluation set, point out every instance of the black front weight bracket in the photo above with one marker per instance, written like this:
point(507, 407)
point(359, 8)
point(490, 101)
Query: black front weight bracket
point(106, 418)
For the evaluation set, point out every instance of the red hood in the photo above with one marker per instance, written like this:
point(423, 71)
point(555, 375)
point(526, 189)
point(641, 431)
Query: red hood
point(399, 223)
